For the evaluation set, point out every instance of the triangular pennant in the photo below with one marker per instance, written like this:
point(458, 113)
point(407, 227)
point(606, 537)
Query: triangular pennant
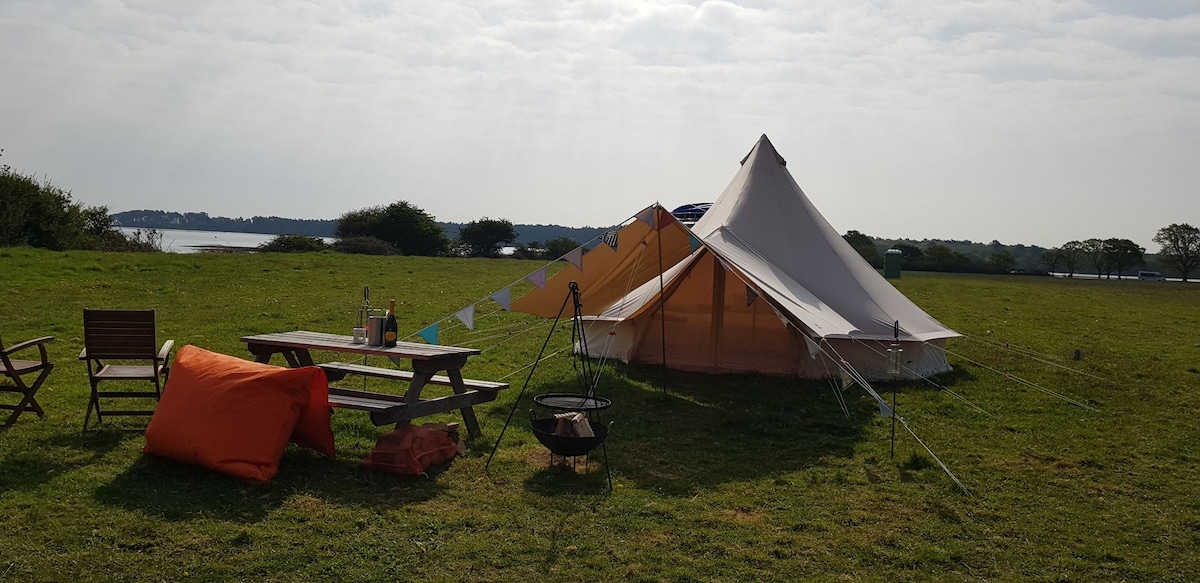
point(813, 348)
point(847, 380)
point(538, 278)
point(884, 410)
point(693, 242)
point(504, 298)
point(430, 333)
point(665, 218)
point(751, 295)
point(782, 318)
point(610, 238)
point(467, 316)
point(575, 257)
point(647, 216)
point(724, 265)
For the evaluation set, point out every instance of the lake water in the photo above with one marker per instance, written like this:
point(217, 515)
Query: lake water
point(184, 241)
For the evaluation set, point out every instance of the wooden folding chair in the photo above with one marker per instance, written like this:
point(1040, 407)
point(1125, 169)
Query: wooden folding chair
point(127, 337)
point(14, 369)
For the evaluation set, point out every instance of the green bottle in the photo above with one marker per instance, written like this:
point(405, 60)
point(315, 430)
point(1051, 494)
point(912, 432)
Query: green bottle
point(389, 326)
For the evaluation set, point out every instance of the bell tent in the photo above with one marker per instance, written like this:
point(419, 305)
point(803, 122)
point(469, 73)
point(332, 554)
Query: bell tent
point(761, 283)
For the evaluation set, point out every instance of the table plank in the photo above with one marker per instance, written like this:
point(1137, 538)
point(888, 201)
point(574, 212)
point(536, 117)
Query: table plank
point(345, 368)
point(339, 343)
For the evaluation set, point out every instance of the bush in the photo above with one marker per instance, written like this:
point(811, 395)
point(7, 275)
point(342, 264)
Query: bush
point(141, 241)
point(39, 214)
point(364, 246)
point(293, 244)
point(400, 224)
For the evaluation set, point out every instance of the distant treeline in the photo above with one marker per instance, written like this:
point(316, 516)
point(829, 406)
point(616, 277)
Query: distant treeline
point(948, 255)
point(1025, 257)
point(146, 219)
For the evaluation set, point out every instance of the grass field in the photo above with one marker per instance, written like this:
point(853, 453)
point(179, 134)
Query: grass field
point(716, 479)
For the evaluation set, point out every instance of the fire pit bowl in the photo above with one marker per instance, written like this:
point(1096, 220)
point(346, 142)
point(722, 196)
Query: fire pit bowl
point(567, 446)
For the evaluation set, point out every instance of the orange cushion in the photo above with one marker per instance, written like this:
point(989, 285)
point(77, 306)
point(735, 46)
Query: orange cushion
point(409, 450)
point(313, 429)
point(229, 414)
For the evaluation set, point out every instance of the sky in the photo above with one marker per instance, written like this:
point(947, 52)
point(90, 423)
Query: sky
point(1032, 122)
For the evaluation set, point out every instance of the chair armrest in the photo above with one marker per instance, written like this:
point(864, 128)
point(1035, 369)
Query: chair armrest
point(165, 352)
point(83, 354)
point(27, 344)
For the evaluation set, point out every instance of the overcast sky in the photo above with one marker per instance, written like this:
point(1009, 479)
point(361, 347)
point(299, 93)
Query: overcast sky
point(1029, 122)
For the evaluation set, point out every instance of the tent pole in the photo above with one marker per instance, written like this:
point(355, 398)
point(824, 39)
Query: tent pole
point(896, 338)
point(662, 300)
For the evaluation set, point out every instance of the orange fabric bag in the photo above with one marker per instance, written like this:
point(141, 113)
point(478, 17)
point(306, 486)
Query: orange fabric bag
point(231, 415)
point(410, 450)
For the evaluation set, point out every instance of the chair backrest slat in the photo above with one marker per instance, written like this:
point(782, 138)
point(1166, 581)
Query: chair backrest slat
point(119, 334)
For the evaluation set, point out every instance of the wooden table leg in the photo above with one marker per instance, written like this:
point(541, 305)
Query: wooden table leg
point(262, 354)
point(468, 413)
point(413, 395)
point(300, 357)
point(452, 365)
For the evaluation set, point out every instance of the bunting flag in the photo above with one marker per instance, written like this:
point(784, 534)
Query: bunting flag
point(724, 265)
point(538, 278)
point(782, 318)
point(751, 295)
point(504, 298)
point(847, 380)
point(884, 410)
point(467, 317)
point(664, 218)
point(647, 216)
point(575, 257)
point(610, 238)
point(693, 242)
point(813, 348)
point(429, 333)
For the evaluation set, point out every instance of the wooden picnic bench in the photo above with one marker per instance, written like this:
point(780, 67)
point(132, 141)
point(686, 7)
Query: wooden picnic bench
point(385, 409)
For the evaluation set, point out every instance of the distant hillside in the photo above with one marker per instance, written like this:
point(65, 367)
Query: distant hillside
point(147, 219)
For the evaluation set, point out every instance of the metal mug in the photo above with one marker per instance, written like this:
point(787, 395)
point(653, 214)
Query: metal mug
point(375, 330)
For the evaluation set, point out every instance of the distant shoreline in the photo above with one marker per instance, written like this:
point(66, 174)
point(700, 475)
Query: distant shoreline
point(274, 226)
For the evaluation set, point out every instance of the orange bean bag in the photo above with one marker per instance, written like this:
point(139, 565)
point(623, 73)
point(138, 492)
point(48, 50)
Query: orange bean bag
point(237, 416)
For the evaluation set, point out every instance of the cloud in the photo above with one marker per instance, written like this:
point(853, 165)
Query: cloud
point(531, 110)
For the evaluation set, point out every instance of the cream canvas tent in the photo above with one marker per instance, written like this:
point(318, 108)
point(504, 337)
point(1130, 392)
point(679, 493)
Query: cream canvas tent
point(762, 283)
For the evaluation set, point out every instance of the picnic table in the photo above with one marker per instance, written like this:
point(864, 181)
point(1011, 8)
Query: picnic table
point(427, 361)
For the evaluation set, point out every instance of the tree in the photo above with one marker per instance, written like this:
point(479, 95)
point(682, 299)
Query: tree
point(483, 238)
point(1070, 253)
point(556, 248)
point(865, 246)
point(403, 225)
point(1122, 253)
point(1093, 249)
point(1051, 258)
point(1180, 247)
point(1001, 261)
point(909, 252)
point(942, 258)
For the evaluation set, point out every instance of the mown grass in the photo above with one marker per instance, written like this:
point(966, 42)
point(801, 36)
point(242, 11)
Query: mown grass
point(717, 478)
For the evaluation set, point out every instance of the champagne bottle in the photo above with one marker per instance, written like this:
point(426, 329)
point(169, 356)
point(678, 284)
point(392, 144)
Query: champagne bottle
point(389, 326)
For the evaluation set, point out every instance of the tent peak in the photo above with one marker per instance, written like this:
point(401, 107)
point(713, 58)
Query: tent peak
point(758, 146)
